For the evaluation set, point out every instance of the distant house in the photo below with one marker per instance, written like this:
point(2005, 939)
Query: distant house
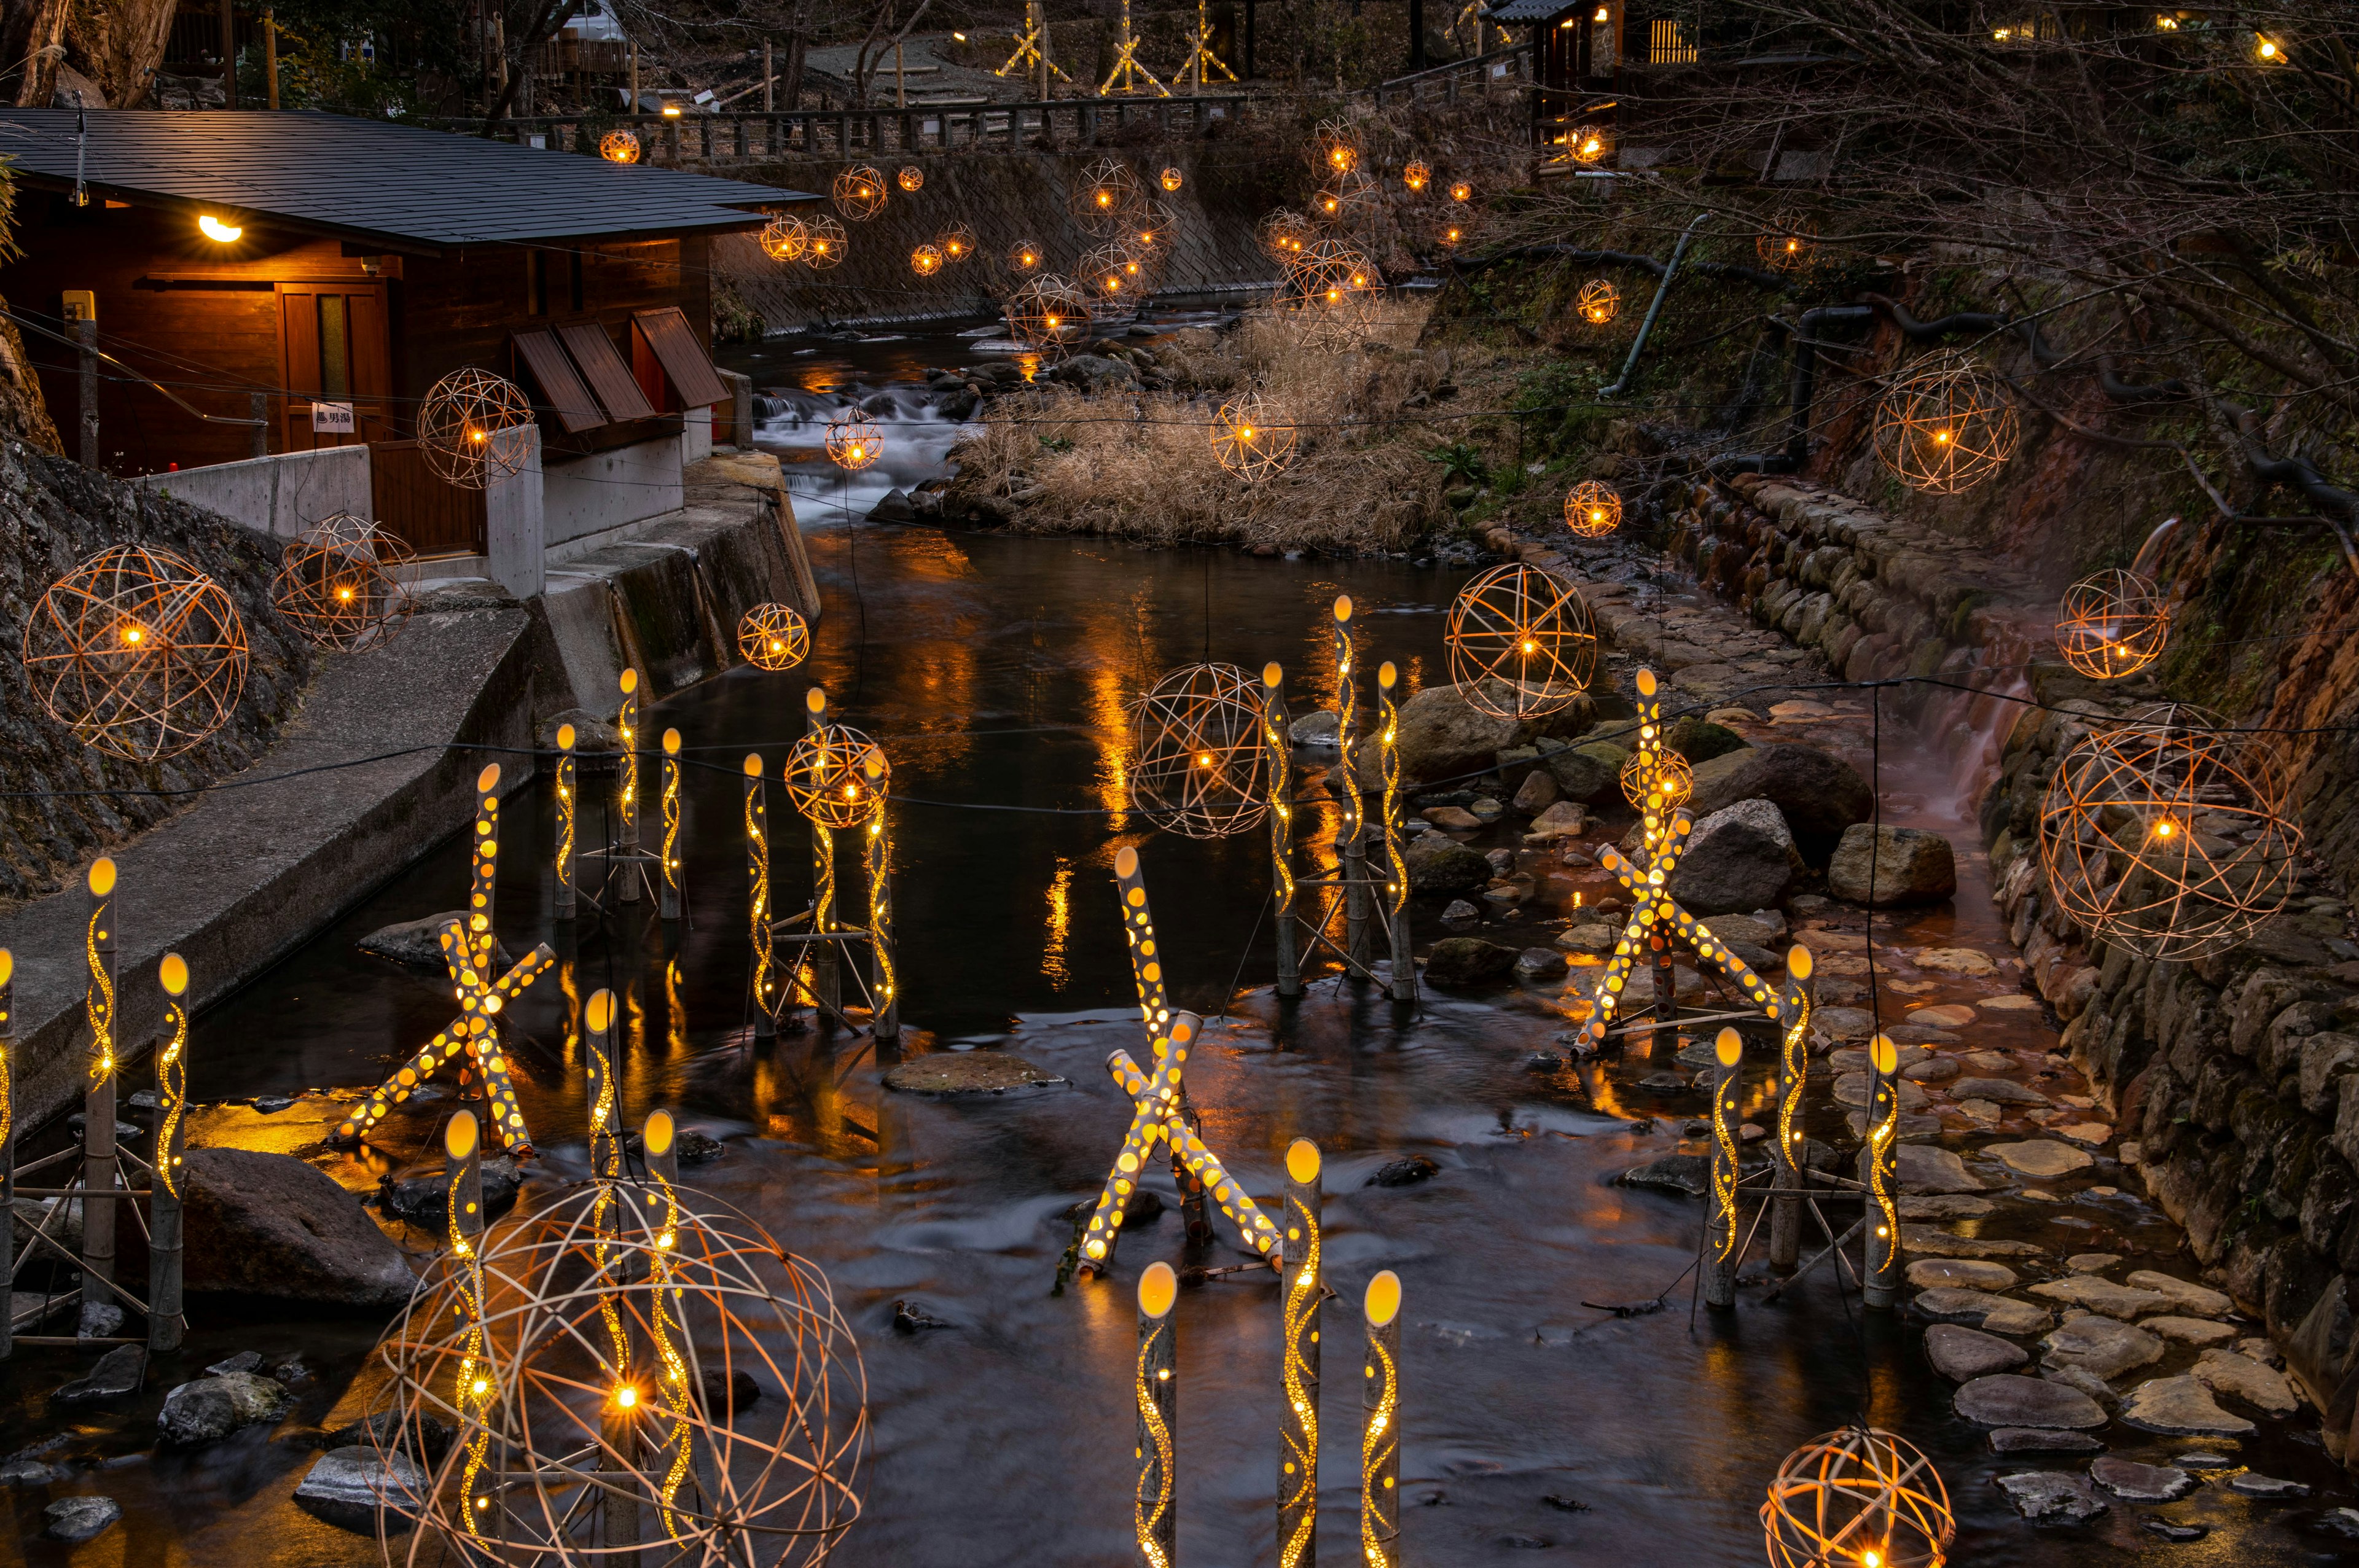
point(339, 268)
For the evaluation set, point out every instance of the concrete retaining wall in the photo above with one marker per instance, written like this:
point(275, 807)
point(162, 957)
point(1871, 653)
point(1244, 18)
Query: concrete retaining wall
point(281, 495)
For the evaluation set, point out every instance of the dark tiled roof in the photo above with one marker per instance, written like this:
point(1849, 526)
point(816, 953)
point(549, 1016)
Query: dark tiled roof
point(369, 180)
point(1525, 10)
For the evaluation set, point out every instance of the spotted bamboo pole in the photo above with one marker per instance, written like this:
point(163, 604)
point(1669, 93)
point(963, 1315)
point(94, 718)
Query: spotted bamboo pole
point(1155, 1393)
point(1727, 1120)
point(1380, 1426)
point(619, 1419)
point(1793, 1075)
point(1394, 881)
point(1278, 739)
point(626, 794)
point(669, 897)
point(463, 1186)
point(102, 1006)
point(659, 1145)
point(603, 1087)
point(1352, 825)
point(884, 1021)
point(826, 979)
point(1880, 1280)
point(758, 878)
point(8, 1150)
point(568, 835)
point(1297, 1465)
point(168, 1322)
point(1658, 805)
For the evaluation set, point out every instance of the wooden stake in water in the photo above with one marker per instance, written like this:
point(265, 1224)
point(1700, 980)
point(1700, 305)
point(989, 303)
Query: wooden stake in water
point(100, 1006)
point(626, 797)
point(1393, 878)
point(1380, 1426)
point(168, 1323)
point(884, 1022)
point(1727, 1120)
point(1279, 738)
point(7, 1149)
point(1298, 1466)
point(568, 831)
point(668, 898)
point(1793, 1073)
point(1351, 823)
point(1878, 1156)
point(1156, 1394)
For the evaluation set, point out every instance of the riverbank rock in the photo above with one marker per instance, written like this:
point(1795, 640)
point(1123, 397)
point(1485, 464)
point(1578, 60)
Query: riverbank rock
point(2052, 1495)
point(1459, 962)
point(2186, 1298)
point(2105, 1347)
point(28, 1214)
point(1922, 1169)
point(1320, 727)
point(2090, 1293)
point(270, 1225)
point(421, 1195)
point(1960, 1274)
point(117, 1376)
point(1537, 964)
point(1406, 1171)
point(1445, 866)
point(346, 1486)
point(2141, 1483)
point(1444, 734)
point(1699, 739)
point(2041, 1157)
point(79, 1518)
point(1592, 939)
point(2180, 1407)
point(1589, 773)
point(210, 1409)
point(1739, 857)
point(2242, 1379)
point(946, 1073)
point(418, 943)
point(1963, 1354)
point(2008, 1399)
point(1690, 1175)
point(1819, 795)
point(1898, 866)
point(2034, 1440)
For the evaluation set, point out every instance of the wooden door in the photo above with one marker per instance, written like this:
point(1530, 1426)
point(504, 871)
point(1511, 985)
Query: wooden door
point(333, 348)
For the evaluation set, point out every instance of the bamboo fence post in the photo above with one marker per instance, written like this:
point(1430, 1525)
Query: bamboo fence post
point(1727, 1118)
point(884, 1020)
point(568, 830)
point(7, 1152)
point(1380, 1426)
point(669, 899)
point(1793, 1073)
point(826, 983)
point(758, 877)
point(1278, 735)
point(168, 1322)
point(1880, 1281)
point(1300, 1260)
point(1156, 1394)
point(99, 1162)
point(1396, 876)
point(627, 726)
point(1351, 829)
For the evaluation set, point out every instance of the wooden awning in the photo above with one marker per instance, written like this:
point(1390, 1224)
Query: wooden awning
point(581, 376)
point(671, 342)
point(553, 373)
point(602, 366)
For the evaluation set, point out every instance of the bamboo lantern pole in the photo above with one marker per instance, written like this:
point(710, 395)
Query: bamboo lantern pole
point(1299, 1252)
point(463, 1178)
point(604, 1089)
point(826, 985)
point(98, 1161)
point(668, 898)
point(1380, 1426)
point(884, 1021)
point(1727, 1120)
point(168, 1322)
point(1396, 873)
point(659, 1143)
point(1880, 1281)
point(618, 1413)
point(1659, 807)
point(758, 877)
point(1351, 829)
point(627, 725)
point(8, 1150)
point(567, 832)
point(1279, 741)
point(1793, 1073)
point(1154, 1520)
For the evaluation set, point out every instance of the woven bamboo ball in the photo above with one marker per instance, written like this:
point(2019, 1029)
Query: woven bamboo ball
point(1588, 144)
point(1669, 775)
point(1593, 509)
point(1450, 237)
point(1106, 196)
point(773, 637)
point(910, 178)
point(957, 242)
point(859, 192)
point(1048, 314)
point(619, 147)
point(1198, 753)
point(1342, 197)
point(836, 776)
point(1114, 274)
point(1788, 244)
point(1283, 234)
point(925, 261)
point(1024, 257)
point(1857, 1498)
point(2113, 623)
point(137, 651)
point(1417, 176)
point(785, 238)
point(826, 245)
point(1336, 146)
point(1945, 425)
point(854, 442)
point(2167, 835)
point(1598, 302)
point(337, 583)
point(471, 429)
point(1459, 191)
point(1172, 179)
point(1252, 440)
point(1521, 642)
point(1325, 271)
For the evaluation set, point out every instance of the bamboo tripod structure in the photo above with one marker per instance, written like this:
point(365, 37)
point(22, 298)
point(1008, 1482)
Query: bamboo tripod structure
point(1032, 46)
point(629, 870)
point(1200, 54)
point(1126, 63)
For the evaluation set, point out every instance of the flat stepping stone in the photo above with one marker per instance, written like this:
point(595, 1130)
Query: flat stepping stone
point(2243, 1379)
point(2000, 1091)
point(79, 1518)
point(2090, 1134)
point(1961, 1274)
point(1947, 1015)
point(1843, 1022)
point(2092, 1262)
point(1953, 961)
point(2013, 1001)
point(2041, 1157)
point(2041, 1440)
point(117, 1374)
point(1690, 1175)
point(2087, 1291)
point(1928, 1241)
point(1961, 1353)
point(1853, 1088)
point(347, 1487)
point(1921, 1169)
point(2341, 1522)
point(945, 1074)
point(2180, 1407)
point(2008, 1399)
point(2253, 1485)
point(2202, 1333)
point(2204, 1459)
point(1979, 1309)
point(2170, 1530)
point(1945, 1206)
point(2047, 1496)
point(2102, 1346)
point(1853, 1058)
point(2141, 1483)
point(2186, 1298)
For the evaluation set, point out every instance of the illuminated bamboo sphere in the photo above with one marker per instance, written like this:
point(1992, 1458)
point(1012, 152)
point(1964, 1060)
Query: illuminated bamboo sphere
point(1787, 244)
point(925, 261)
point(471, 429)
point(911, 178)
point(773, 637)
point(1171, 179)
point(1461, 192)
point(1521, 642)
point(1593, 509)
point(336, 582)
point(1588, 144)
point(1417, 176)
point(137, 651)
point(1342, 197)
point(1451, 235)
point(2167, 836)
point(1106, 196)
point(619, 147)
point(1048, 314)
point(551, 1418)
point(1198, 752)
point(1945, 425)
point(1598, 302)
point(1114, 274)
point(830, 777)
point(826, 244)
point(1024, 256)
point(1283, 234)
point(785, 238)
point(1251, 441)
point(1672, 779)
point(1325, 271)
point(859, 192)
point(1857, 1498)
point(957, 242)
point(2113, 623)
point(1338, 147)
point(854, 442)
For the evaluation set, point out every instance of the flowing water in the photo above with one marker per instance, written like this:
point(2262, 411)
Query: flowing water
point(995, 672)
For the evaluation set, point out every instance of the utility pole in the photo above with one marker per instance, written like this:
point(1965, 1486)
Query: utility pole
point(1415, 35)
point(229, 53)
point(270, 55)
point(1040, 10)
point(86, 330)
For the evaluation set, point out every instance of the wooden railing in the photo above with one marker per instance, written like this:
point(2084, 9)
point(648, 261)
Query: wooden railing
point(1482, 73)
point(704, 139)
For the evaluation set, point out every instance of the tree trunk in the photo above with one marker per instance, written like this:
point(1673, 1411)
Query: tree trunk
point(32, 41)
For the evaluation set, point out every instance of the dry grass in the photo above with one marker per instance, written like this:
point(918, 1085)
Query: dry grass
point(1141, 466)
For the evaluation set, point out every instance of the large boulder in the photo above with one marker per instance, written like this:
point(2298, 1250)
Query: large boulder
point(348, 1486)
point(1890, 868)
point(1459, 961)
point(1739, 857)
point(1821, 795)
point(211, 1408)
point(1699, 739)
point(1439, 865)
point(1444, 735)
point(270, 1225)
point(1589, 773)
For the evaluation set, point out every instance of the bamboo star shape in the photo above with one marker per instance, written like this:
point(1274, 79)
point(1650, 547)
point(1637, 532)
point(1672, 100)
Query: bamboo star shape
point(473, 1034)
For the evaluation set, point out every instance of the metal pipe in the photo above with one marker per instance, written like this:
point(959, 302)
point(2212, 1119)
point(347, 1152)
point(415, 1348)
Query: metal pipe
point(1630, 366)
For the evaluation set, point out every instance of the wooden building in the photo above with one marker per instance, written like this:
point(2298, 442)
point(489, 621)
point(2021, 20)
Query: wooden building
point(326, 270)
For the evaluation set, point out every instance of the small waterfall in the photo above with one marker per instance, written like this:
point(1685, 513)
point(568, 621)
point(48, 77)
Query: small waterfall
point(916, 444)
